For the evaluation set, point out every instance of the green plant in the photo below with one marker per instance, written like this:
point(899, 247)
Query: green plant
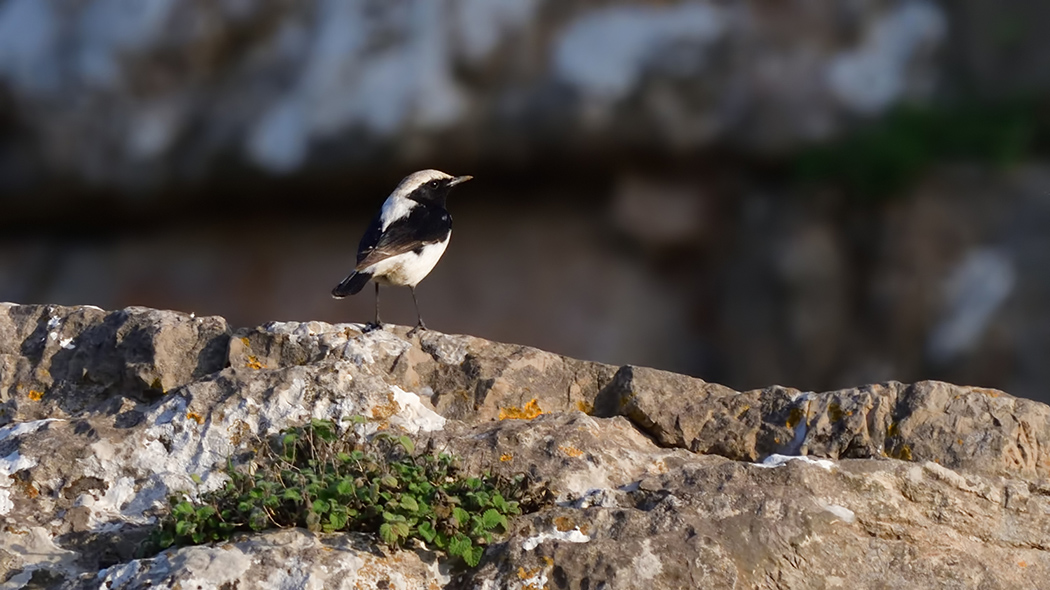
point(883, 158)
point(314, 477)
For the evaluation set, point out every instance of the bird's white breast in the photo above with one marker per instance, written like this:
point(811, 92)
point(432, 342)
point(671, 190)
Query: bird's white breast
point(409, 268)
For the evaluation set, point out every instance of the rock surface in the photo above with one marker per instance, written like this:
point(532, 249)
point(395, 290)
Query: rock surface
point(659, 480)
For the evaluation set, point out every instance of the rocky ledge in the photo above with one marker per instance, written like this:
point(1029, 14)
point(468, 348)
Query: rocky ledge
point(659, 480)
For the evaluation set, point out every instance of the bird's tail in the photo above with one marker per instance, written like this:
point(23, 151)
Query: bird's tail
point(351, 284)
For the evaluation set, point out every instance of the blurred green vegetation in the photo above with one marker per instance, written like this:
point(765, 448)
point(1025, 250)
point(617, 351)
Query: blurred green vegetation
point(882, 159)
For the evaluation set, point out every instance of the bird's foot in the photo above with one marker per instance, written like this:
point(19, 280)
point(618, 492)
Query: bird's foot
point(419, 327)
point(372, 327)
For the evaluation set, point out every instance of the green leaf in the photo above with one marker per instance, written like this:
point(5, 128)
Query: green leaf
point(401, 528)
point(358, 419)
point(345, 487)
point(389, 481)
point(409, 503)
point(292, 494)
point(183, 528)
point(196, 478)
point(204, 512)
point(462, 516)
point(491, 519)
point(337, 520)
point(166, 539)
point(406, 443)
point(459, 545)
point(182, 510)
point(320, 506)
point(426, 530)
point(387, 534)
point(499, 502)
point(473, 556)
point(441, 540)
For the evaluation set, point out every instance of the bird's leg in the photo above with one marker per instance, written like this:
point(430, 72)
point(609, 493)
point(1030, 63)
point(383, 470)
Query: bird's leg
point(419, 323)
point(378, 324)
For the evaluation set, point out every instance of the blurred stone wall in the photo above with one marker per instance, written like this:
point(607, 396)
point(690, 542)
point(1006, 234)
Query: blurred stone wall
point(631, 202)
point(139, 94)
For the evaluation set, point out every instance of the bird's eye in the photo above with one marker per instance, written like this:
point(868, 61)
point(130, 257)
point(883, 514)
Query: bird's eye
point(433, 184)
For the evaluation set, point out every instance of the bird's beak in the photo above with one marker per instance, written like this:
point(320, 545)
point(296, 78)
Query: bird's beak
point(459, 180)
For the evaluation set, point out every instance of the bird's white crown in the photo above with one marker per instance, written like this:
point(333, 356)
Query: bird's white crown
point(416, 180)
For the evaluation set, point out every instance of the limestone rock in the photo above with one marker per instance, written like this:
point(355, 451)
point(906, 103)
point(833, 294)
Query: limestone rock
point(650, 477)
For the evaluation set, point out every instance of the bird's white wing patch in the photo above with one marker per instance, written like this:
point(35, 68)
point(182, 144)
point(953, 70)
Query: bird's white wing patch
point(394, 208)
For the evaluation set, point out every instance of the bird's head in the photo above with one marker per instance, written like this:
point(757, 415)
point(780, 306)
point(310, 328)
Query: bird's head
point(428, 186)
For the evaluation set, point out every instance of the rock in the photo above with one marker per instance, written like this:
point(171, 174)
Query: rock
point(645, 476)
point(282, 559)
point(166, 93)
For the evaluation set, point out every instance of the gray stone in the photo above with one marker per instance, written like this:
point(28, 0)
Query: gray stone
point(643, 476)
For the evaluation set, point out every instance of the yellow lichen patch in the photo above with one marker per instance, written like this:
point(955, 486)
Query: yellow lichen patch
point(253, 363)
point(195, 417)
point(794, 417)
point(892, 430)
point(564, 524)
point(245, 341)
point(524, 574)
point(988, 392)
point(238, 432)
point(585, 406)
point(35, 395)
point(384, 411)
point(29, 489)
point(742, 412)
point(903, 453)
point(505, 457)
point(526, 412)
point(1022, 564)
point(571, 451)
point(834, 412)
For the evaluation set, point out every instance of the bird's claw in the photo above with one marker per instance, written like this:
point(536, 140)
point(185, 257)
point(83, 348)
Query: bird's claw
point(371, 327)
point(419, 327)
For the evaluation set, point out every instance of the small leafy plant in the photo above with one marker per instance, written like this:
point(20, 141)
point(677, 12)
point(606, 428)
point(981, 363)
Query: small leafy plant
point(314, 477)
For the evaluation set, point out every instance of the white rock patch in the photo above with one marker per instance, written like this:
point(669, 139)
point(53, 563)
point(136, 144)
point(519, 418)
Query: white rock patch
point(775, 460)
point(841, 512)
point(413, 415)
point(573, 536)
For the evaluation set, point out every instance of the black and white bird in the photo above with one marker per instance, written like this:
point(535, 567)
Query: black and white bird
point(405, 239)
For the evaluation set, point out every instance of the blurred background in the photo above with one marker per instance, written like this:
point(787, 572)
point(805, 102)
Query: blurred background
point(816, 194)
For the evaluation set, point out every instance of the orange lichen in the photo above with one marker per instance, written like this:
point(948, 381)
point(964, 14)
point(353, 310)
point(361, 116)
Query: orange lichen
point(564, 524)
point(585, 406)
point(253, 363)
point(571, 451)
point(384, 411)
point(1022, 564)
point(30, 490)
point(35, 395)
point(524, 574)
point(526, 412)
point(505, 457)
point(195, 417)
point(245, 341)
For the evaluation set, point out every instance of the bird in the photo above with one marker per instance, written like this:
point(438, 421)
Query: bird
point(405, 239)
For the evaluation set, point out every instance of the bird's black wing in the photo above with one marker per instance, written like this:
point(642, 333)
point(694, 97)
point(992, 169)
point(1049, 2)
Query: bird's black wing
point(370, 240)
point(423, 225)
